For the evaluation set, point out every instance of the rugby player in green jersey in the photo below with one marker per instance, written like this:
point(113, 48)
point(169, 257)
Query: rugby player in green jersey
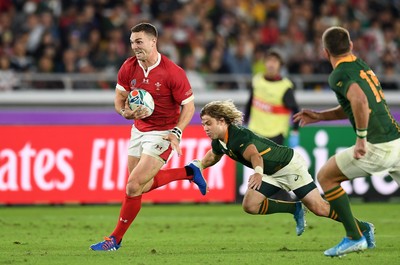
point(377, 146)
point(275, 166)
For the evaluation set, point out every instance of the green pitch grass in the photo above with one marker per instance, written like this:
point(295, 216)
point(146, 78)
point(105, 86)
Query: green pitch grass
point(187, 234)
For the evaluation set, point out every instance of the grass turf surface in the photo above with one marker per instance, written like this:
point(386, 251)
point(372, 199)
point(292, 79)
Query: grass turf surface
point(187, 234)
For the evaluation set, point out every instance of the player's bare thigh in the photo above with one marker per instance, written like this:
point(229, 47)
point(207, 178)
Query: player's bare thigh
point(132, 162)
point(143, 172)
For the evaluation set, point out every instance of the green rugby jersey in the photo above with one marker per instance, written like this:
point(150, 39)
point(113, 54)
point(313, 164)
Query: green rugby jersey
point(382, 127)
point(239, 138)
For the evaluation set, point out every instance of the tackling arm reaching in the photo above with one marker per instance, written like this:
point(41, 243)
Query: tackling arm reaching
point(307, 116)
point(210, 159)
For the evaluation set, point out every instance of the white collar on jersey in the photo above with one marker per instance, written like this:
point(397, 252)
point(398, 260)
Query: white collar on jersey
point(146, 73)
point(223, 144)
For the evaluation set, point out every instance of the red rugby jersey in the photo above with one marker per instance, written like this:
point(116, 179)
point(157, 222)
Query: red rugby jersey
point(168, 85)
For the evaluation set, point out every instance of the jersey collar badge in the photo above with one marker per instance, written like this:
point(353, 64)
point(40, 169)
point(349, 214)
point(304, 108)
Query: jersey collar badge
point(158, 86)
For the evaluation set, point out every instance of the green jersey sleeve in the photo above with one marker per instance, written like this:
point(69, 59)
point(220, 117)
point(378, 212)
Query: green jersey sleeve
point(382, 127)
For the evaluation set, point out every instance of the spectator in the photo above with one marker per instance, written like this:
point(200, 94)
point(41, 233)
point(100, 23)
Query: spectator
point(237, 61)
point(270, 32)
point(85, 67)
point(196, 81)
point(217, 65)
point(258, 65)
point(8, 79)
point(36, 30)
point(46, 66)
point(69, 62)
point(388, 70)
point(389, 81)
point(307, 69)
point(49, 28)
point(167, 45)
point(20, 60)
point(239, 65)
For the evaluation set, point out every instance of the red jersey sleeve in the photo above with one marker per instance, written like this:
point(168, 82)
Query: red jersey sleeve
point(123, 77)
point(182, 91)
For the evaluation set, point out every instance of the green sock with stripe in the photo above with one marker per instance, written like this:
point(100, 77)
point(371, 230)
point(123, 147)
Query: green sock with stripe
point(333, 215)
point(340, 205)
point(269, 206)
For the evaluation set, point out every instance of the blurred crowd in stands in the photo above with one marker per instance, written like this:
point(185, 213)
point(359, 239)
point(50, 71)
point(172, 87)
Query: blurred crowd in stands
point(202, 36)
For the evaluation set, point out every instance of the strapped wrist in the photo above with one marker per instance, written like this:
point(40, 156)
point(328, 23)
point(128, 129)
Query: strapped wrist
point(361, 133)
point(122, 111)
point(259, 170)
point(177, 132)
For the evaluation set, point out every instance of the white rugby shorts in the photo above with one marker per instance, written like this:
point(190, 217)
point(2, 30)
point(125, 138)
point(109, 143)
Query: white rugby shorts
point(291, 177)
point(150, 143)
point(379, 157)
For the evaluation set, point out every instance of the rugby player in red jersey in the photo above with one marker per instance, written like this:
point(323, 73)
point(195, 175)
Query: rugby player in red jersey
point(153, 138)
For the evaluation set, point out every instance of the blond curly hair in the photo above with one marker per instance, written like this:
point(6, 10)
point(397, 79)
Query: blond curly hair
point(223, 109)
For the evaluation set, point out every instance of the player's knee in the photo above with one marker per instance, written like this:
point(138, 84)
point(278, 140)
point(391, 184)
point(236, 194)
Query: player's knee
point(133, 188)
point(249, 208)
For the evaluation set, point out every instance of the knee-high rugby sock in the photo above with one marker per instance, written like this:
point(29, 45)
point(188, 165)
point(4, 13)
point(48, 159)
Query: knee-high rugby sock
point(339, 202)
point(269, 206)
point(129, 210)
point(333, 215)
point(166, 176)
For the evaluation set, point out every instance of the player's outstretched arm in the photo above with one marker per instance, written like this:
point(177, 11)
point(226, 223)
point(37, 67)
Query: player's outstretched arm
point(210, 159)
point(307, 116)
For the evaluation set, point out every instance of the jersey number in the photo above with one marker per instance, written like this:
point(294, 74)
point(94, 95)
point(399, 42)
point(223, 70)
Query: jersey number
point(373, 82)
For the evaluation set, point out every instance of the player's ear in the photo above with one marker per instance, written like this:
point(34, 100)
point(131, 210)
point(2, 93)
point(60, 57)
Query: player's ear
point(351, 45)
point(326, 53)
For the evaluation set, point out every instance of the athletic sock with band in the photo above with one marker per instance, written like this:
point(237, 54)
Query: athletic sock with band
point(269, 206)
point(129, 210)
point(333, 215)
point(340, 206)
point(166, 176)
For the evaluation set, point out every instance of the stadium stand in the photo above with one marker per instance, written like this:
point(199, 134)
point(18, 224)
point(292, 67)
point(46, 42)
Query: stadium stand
point(91, 36)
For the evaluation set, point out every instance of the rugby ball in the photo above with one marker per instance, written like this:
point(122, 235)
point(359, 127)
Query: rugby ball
point(140, 97)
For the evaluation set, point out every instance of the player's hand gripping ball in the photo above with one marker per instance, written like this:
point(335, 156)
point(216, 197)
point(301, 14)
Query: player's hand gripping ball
point(140, 97)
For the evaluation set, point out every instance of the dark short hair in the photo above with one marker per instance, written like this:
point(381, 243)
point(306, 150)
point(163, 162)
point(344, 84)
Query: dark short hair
point(145, 27)
point(336, 40)
point(274, 53)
